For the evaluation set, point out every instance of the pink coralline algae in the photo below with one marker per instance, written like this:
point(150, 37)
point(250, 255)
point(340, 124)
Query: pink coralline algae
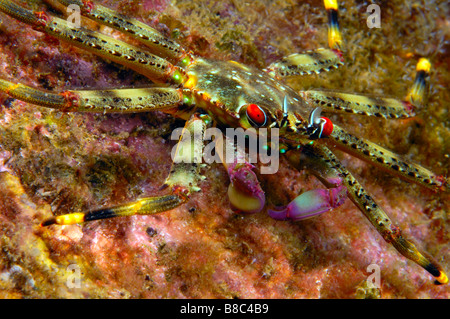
point(59, 163)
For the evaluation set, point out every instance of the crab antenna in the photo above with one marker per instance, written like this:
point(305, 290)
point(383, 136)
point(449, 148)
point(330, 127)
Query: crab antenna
point(315, 123)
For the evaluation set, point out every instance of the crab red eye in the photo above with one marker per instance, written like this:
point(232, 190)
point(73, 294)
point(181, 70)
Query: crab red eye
point(327, 126)
point(256, 115)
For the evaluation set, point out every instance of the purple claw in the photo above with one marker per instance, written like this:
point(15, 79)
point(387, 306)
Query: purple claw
point(311, 203)
point(244, 192)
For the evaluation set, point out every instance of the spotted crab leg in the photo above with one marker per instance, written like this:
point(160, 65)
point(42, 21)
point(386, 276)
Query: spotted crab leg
point(147, 64)
point(331, 101)
point(334, 33)
point(181, 182)
point(101, 101)
point(144, 206)
point(386, 159)
point(417, 93)
point(373, 106)
point(158, 43)
point(322, 162)
point(381, 107)
point(314, 61)
point(307, 63)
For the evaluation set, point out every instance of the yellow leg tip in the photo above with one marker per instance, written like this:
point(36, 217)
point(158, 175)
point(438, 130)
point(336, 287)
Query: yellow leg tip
point(418, 90)
point(442, 279)
point(423, 65)
point(330, 4)
point(334, 38)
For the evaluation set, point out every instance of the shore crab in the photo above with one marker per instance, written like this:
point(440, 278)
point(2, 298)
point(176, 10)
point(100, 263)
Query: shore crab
point(311, 131)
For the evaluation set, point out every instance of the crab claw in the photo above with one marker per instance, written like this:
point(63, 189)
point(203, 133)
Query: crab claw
point(311, 203)
point(245, 193)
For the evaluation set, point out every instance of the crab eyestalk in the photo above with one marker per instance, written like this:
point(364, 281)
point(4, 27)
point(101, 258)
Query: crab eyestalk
point(319, 127)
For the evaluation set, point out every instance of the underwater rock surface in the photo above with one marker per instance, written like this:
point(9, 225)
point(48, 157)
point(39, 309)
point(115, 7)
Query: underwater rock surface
point(53, 162)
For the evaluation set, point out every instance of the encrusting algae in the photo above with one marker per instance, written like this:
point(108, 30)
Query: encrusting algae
point(53, 162)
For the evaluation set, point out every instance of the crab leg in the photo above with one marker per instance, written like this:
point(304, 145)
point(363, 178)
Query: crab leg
point(314, 61)
point(418, 91)
point(373, 106)
point(358, 104)
point(328, 169)
point(309, 62)
point(382, 107)
point(106, 101)
point(181, 181)
point(385, 159)
point(334, 33)
point(144, 206)
point(161, 45)
point(147, 64)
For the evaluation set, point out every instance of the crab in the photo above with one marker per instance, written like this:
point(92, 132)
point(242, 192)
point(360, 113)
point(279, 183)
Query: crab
point(209, 93)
